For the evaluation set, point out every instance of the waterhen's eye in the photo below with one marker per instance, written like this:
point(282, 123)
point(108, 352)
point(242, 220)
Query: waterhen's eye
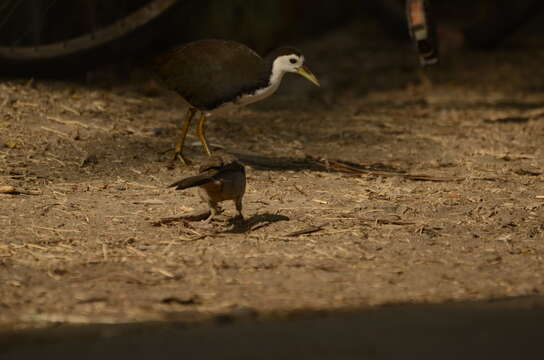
point(293, 60)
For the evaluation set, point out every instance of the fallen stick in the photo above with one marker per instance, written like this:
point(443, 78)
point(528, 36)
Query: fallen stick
point(359, 169)
point(11, 190)
point(309, 230)
point(194, 216)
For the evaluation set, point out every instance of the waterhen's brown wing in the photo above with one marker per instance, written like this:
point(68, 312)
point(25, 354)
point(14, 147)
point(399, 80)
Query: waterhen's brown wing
point(208, 73)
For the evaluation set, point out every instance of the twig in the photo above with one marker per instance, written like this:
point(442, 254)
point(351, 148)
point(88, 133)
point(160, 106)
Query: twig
point(299, 190)
point(10, 190)
point(309, 230)
point(424, 177)
point(136, 251)
point(69, 109)
point(104, 252)
point(259, 226)
point(388, 222)
point(25, 104)
point(141, 185)
point(57, 230)
point(358, 169)
point(165, 273)
point(69, 319)
point(149, 202)
point(6, 101)
point(194, 216)
point(60, 133)
point(67, 122)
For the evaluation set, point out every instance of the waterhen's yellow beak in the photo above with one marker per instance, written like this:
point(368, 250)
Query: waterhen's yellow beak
point(304, 71)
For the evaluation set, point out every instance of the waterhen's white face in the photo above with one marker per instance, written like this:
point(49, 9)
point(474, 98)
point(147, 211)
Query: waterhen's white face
point(293, 63)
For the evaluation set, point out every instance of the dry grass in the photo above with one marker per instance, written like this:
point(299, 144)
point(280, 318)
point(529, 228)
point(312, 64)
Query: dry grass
point(354, 198)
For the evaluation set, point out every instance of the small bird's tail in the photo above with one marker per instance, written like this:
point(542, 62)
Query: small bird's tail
point(191, 181)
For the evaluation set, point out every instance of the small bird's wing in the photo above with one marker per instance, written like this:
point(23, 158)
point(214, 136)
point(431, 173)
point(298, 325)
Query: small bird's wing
point(208, 73)
point(212, 169)
point(220, 160)
point(222, 163)
point(196, 180)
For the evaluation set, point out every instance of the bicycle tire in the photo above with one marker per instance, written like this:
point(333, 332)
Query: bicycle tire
point(69, 54)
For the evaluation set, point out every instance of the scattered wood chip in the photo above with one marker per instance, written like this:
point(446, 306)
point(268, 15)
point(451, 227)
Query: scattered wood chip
point(68, 319)
point(540, 197)
point(136, 251)
point(8, 101)
point(25, 104)
point(165, 273)
point(527, 172)
point(73, 111)
point(8, 190)
point(320, 201)
point(131, 183)
point(67, 122)
point(59, 133)
point(99, 105)
point(297, 188)
point(10, 144)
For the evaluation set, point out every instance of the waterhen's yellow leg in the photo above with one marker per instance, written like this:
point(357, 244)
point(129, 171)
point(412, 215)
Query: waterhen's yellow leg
point(200, 131)
point(178, 154)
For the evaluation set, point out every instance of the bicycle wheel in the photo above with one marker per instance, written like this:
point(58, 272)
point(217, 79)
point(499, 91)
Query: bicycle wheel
point(61, 35)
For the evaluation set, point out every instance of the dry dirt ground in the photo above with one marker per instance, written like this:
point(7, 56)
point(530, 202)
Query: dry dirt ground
point(447, 203)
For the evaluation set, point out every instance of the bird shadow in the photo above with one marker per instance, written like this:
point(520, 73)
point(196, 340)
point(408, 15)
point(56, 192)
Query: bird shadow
point(236, 225)
point(312, 163)
point(336, 166)
point(278, 163)
point(255, 222)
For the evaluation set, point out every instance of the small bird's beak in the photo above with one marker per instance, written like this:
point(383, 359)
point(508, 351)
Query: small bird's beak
point(304, 71)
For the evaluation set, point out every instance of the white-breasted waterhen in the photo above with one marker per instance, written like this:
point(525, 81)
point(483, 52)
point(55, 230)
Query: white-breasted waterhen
point(215, 74)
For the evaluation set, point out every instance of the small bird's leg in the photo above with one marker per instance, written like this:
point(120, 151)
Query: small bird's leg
point(238, 203)
point(200, 131)
point(178, 154)
point(214, 210)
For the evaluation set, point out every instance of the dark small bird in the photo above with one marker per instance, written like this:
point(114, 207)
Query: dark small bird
point(221, 177)
point(213, 75)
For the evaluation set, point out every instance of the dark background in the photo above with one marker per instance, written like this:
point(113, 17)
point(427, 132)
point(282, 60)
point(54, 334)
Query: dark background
point(263, 25)
point(377, 104)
